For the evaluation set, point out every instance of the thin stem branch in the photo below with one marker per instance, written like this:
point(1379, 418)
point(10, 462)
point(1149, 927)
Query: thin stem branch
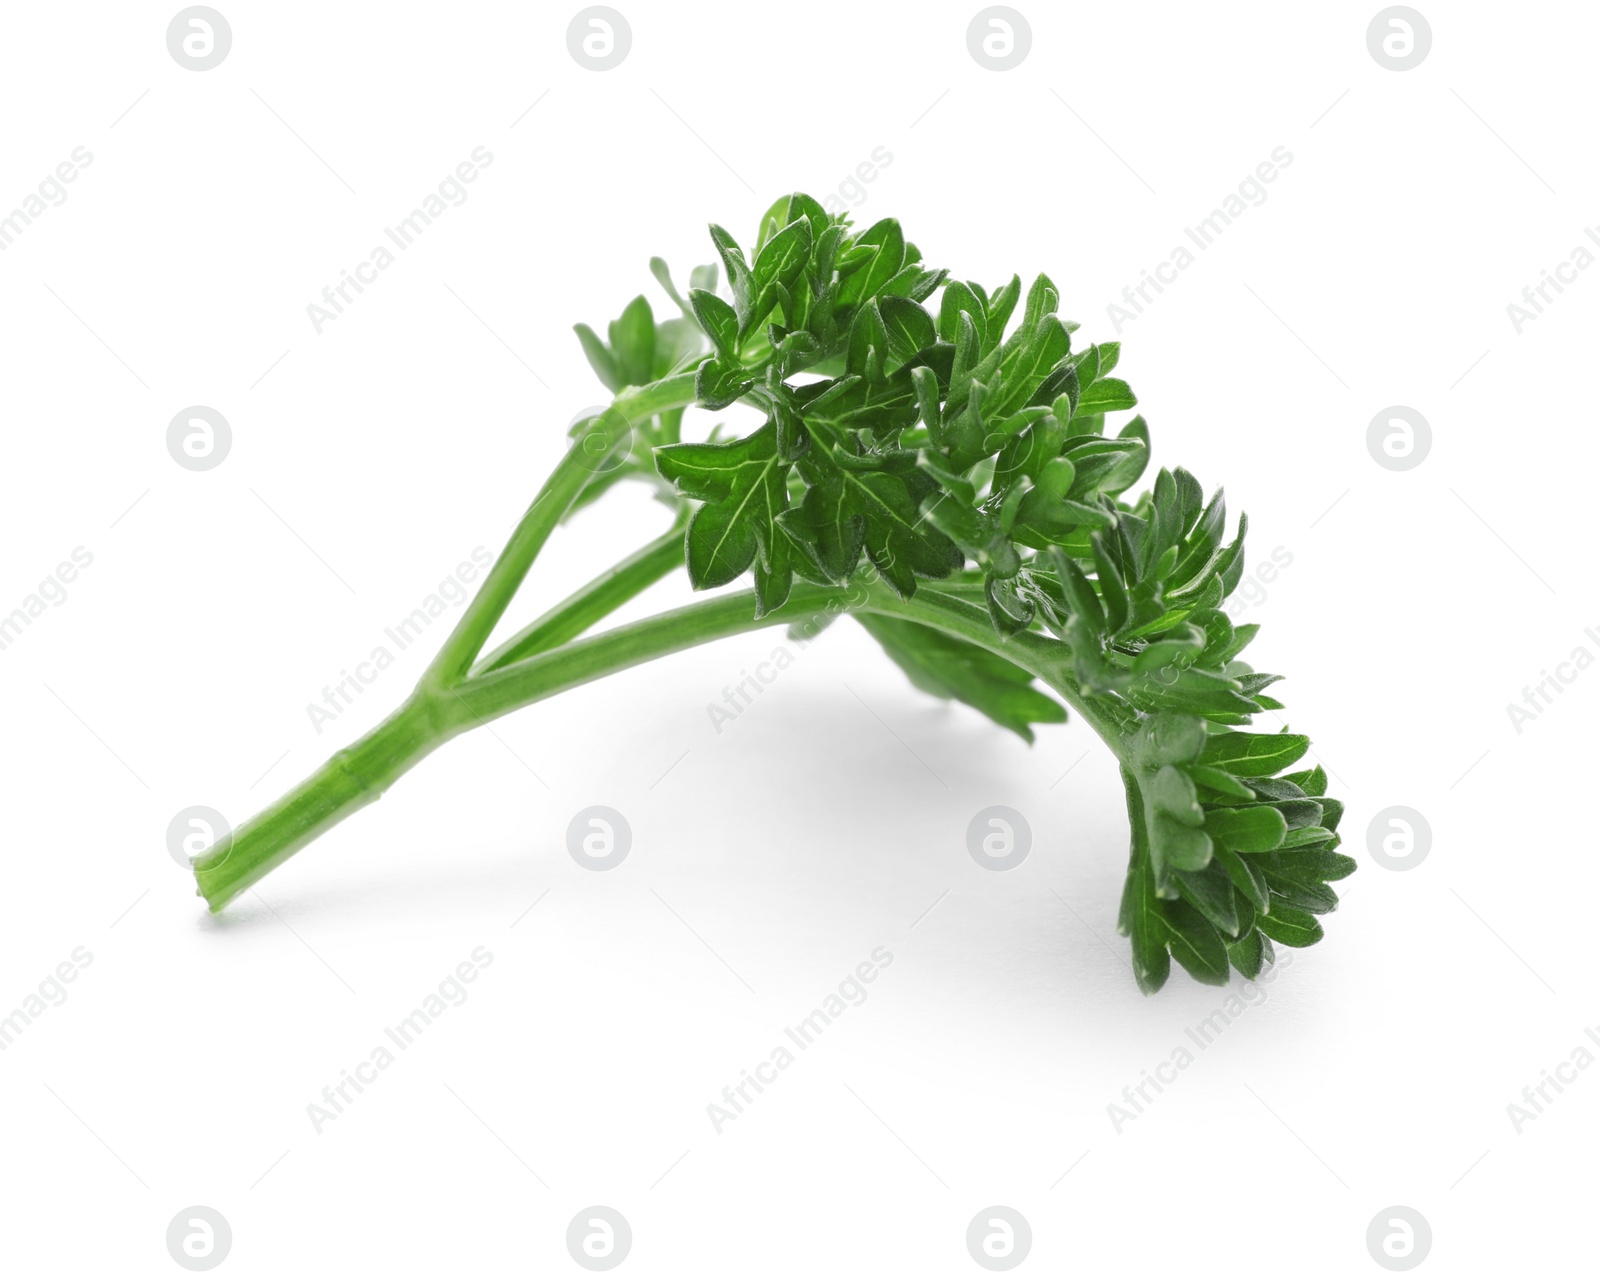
point(597, 598)
point(604, 437)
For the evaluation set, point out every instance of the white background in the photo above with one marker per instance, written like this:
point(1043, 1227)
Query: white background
point(771, 859)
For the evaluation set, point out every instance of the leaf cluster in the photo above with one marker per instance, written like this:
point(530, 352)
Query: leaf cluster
point(966, 442)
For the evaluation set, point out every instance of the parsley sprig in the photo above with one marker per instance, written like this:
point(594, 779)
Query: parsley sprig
point(947, 474)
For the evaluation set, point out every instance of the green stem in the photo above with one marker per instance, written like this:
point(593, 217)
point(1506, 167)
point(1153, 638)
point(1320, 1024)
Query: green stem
point(357, 776)
point(600, 446)
point(594, 600)
point(349, 781)
point(533, 679)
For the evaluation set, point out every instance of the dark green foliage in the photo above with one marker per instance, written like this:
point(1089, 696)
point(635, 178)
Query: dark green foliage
point(963, 445)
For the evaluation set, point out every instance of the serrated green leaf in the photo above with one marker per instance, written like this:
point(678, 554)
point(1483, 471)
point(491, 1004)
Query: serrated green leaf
point(743, 487)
